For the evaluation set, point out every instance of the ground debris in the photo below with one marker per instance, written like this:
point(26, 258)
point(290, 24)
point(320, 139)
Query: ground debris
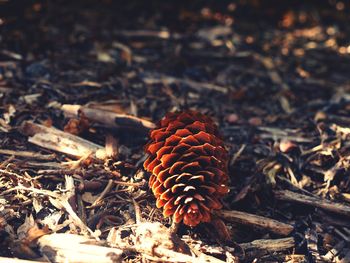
point(81, 85)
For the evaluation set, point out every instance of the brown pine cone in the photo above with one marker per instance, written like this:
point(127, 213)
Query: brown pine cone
point(188, 163)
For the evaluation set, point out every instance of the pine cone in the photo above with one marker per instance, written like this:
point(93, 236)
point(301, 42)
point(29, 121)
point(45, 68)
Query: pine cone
point(188, 165)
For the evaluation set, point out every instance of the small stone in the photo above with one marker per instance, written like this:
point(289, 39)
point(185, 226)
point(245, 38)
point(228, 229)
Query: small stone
point(232, 118)
point(286, 145)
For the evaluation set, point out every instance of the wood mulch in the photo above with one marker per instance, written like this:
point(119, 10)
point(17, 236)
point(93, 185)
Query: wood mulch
point(82, 83)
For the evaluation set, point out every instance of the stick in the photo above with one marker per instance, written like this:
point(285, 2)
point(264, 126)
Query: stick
point(237, 154)
point(108, 118)
point(254, 248)
point(276, 133)
point(313, 201)
point(54, 139)
point(256, 221)
point(104, 192)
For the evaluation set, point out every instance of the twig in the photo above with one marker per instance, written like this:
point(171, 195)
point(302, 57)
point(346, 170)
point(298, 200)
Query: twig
point(277, 133)
point(137, 208)
point(28, 154)
point(52, 165)
point(129, 183)
point(151, 79)
point(313, 201)
point(7, 161)
point(256, 221)
point(104, 192)
point(237, 154)
point(289, 137)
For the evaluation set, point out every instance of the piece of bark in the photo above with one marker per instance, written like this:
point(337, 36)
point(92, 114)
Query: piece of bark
point(74, 248)
point(261, 222)
point(290, 196)
point(108, 118)
point(260, 247)
point(57, 140)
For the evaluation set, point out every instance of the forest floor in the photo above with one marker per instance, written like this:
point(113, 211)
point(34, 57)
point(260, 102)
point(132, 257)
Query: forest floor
point(274, 77)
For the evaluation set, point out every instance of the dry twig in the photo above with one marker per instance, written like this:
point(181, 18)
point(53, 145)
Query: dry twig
point(256, 221)
point(313, 201)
